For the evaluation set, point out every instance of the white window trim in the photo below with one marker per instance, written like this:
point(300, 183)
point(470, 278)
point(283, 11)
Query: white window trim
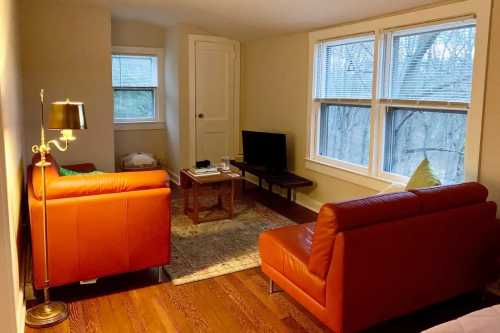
point(373, 177)
point(159, 122)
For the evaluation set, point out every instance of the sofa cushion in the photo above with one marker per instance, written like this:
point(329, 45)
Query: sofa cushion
point(423, 176)
point(287, 250)
point(438, 198)
point(335, 218)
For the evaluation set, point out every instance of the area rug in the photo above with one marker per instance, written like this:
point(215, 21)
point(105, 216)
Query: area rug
point(211, 249)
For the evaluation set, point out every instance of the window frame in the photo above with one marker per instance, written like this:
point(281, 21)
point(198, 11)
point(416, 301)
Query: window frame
point(374, 176)
point(317, 102)
point(159, 119)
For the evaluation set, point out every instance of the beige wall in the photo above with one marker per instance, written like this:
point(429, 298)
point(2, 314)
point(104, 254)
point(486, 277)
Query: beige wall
point(172, 100)
point(489, 172)
point(66, 50)
point(134, 33)
point(148, 141)
point(11, 171)
point(138, 34)
point(274, 98)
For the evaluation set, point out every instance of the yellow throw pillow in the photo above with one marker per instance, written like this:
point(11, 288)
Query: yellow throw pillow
point(423, 176)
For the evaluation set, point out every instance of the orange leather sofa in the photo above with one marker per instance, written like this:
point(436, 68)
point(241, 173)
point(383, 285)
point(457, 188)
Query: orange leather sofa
point(369, 260)
point(98, 224)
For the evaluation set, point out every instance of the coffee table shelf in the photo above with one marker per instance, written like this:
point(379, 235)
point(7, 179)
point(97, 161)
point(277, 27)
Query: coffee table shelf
point(193, 187)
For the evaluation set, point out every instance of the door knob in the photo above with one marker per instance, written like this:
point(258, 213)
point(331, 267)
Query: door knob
point(201, 115)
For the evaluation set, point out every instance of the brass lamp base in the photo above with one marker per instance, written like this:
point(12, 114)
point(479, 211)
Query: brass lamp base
point(46, 314)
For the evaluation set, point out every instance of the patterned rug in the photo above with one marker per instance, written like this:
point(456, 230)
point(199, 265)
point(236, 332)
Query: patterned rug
point(220, 247)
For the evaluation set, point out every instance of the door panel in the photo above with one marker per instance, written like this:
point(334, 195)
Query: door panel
point(214, 99)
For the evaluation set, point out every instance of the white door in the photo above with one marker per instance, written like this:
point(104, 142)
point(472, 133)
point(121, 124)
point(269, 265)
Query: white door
point(214, 84)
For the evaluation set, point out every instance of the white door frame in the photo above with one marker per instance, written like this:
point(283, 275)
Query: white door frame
point(192, 40)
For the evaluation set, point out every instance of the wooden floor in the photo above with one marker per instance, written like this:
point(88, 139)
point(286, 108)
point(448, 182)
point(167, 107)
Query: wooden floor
point(236, 302)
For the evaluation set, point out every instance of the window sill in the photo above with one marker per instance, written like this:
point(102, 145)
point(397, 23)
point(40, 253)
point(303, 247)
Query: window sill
point(355, 177)
point(139, 126)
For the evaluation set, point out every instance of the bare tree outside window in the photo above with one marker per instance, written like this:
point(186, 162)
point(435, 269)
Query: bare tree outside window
point(433, 66)
point(414, 134)
point(345, 69)
point(345, 133)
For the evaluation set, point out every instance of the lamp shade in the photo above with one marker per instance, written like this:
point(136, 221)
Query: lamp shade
point(67, 115)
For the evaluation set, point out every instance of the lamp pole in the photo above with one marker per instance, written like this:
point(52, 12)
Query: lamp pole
point(47, 313)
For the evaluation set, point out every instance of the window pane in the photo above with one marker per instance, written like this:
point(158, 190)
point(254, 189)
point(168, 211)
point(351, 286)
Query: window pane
point(134, 104)
point(433, 65)
point(344, 68)
point(345, 133)
point(414, 134)
point(134, 71)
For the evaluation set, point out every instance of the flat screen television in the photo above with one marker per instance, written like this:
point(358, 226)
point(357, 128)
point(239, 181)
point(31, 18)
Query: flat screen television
point(265, 150)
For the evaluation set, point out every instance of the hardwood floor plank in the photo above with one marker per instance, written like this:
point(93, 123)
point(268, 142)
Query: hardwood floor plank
point(280, 302)
point(111, 316)
point(181, 300)
point(223, 303)
point(89, 322)
point(150, 312)
point(263, 319)
point(257, 284)
point(293, 325)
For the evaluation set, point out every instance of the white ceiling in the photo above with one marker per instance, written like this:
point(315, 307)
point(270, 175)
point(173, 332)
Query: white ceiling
point(251, 19)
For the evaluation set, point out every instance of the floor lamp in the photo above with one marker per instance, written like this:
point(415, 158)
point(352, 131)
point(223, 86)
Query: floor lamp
point(65, 116)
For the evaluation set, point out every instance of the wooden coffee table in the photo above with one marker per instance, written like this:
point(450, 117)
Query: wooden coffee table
point(195, 185)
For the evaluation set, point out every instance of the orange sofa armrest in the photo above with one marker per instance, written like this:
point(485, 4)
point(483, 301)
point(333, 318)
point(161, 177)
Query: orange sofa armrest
point(83, 167)
point(92, 184)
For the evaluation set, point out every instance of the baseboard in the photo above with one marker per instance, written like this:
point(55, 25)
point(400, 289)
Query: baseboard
point(300, 198)
point(174, 177)
point(308, 202)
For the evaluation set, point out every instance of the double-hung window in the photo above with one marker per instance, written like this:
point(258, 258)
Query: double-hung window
point(136, 85)
point(428, 91)
point(343, 96)
point(386, 98)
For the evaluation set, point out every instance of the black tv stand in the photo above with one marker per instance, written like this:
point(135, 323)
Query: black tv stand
point(283, 179)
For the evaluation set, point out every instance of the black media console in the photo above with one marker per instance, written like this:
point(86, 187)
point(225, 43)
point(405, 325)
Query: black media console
point(286, 180)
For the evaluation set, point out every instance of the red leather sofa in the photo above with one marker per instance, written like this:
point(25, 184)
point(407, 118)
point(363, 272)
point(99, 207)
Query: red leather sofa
point(369, 260)
point(98, 224)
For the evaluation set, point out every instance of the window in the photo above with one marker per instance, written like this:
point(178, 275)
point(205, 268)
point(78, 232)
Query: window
point(382, 101)
point(136, 89)
point(434, 65)
point(344, 88)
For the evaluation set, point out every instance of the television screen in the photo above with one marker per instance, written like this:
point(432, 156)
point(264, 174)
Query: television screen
point(266, 150)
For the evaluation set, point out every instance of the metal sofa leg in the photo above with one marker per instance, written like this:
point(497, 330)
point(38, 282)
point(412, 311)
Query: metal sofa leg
point(272, 287)
point(160, 270)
